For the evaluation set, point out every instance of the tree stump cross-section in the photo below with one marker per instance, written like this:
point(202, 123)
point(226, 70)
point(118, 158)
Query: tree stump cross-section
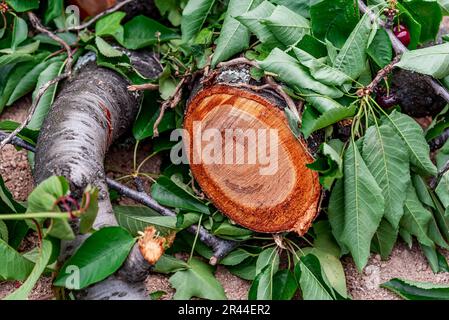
point(248, 162)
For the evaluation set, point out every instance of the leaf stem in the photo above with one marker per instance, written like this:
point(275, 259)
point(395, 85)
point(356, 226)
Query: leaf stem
point(196, 239)
point(39, 215)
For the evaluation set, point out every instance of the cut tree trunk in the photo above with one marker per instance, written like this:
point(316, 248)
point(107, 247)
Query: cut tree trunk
point(90, 112)
point(265, 196)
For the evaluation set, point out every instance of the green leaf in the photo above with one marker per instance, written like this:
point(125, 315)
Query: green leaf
point(168, 264)
point(312, 121)
point(313, 282)
point(332, 268)
point(194, 15)
point(422, 189)
point(442, 190)
point(44, 196)
point(253, 21)
point(412, 290)
point(416, 218)
point(413, 26)
point(267, 266)
point(14, 58)
point(23, 5)
point(381, 50)
point(4, 234)
point(334, 20)
point(14, 266)
point(142, 32)
point(197, 281)
point(167, 193)
point(51, 72)
point(97, 258)
point(290, 71)
point(312, 46)
point(137, 218)
point(234, 36)
point(386, 156)
point(236, 257)
point(364, 206)
point(284, 285)
point(26, 134)
point(445, 6)
point(228, 231)
point(110, 25)
point(412, 134)
point(352, 57)
point(25, 289)
point(19, 33)
point(384, 239)
point(433, 61)
point(320, 71)
point(106, 49)
point(336, 212)
point(324, 239)
point(55, 9)
point(245, 270)
point(301, 7)
point(267, 257)
point(13, 80)
point(287, 26)
point(28, 82)
point(407, 237)
point(87, 219)
point(148, 114)
point(7, 202)
point(428, 14)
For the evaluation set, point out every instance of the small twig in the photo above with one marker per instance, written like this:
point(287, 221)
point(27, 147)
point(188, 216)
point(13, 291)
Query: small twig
point(250, 87)
point(288, 100)
point(43, 89)
point(237, 61)
point(220, 246)
point(382, 74)
point(143, 87)
point(33, 107)
point(439, 141)
point(170, 103)
point(18, 142)
point(139, 184)
point(36, 23)
point(87, 24)
point(435, 180)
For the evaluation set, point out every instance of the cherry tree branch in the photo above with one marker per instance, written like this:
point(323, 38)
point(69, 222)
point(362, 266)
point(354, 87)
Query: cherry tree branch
point(399, 48)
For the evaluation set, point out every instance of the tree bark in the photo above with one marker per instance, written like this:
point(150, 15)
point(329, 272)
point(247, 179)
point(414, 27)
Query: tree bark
point(90, 112)
point(264, 196)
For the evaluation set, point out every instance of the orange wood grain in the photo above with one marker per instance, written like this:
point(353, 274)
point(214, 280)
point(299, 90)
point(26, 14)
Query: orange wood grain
point(285, 201)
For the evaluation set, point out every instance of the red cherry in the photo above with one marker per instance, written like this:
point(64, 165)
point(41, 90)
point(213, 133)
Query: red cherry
point(385, 101)
point(401, 32)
